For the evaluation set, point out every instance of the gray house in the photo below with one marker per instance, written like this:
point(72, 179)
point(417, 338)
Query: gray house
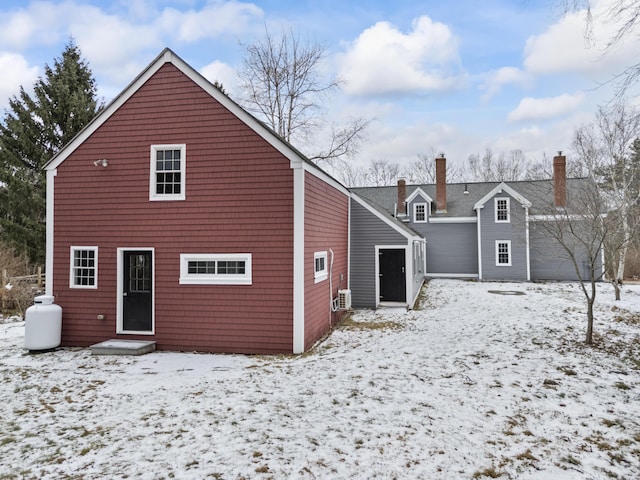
point(402, 234)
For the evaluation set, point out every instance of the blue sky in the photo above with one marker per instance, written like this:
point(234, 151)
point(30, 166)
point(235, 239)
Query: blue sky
point(453, 77)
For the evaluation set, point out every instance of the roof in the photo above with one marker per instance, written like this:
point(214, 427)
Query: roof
point(538, 193)
point(168, 56)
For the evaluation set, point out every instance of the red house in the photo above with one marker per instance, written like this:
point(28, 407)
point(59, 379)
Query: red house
point(177, 217)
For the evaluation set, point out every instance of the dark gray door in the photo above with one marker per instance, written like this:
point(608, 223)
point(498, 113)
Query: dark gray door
point(393, 281)
point(137, 298)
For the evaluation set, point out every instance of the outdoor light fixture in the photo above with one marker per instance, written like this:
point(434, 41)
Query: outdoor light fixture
point(102, 161)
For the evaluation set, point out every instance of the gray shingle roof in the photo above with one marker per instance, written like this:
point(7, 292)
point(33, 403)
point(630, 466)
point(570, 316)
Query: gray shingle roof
point(459, 204)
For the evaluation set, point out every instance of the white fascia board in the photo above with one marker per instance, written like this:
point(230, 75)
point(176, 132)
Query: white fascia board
point(386, 220)
point(561, 216)
point(453, 219)
point(167, 56)
point(415, 193)
point(115, 104)
point(502, 187)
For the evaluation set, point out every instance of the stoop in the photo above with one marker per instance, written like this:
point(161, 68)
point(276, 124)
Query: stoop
point(123, 347)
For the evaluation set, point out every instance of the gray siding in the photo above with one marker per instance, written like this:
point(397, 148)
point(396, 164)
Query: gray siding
point(549, 261)
point(514, 231)
point(367, 231)
point(452, 248)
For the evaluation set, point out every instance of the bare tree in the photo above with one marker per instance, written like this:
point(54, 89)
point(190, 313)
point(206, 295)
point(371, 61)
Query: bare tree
point(282, 84)
point(349, 174)
point(423, 170)
point(502, 168)
point(382, 173)
point(625, 15)
point(577, 233)
point(607, 148)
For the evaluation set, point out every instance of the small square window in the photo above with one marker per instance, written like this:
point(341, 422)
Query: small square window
point(320, 266)
point(83, 267)
point(167, 180)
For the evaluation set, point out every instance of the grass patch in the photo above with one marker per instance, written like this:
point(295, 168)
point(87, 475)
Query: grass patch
point(571, 460)
point(568, 371)
point(491, 472)
point(348, 323)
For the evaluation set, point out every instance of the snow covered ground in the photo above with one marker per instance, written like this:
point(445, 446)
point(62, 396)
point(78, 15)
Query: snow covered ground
point(474, 385)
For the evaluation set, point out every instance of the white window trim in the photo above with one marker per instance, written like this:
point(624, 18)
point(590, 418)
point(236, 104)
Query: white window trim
point(73, 249)
point(498, 242)
point(320, 275)
point(153, 196)
point(415, 212)
point(215, 279)
point(495, 209)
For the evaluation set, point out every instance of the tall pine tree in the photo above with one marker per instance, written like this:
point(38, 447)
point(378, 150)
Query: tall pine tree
point(34, 129)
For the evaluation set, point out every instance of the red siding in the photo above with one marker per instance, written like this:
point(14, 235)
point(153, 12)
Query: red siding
point(326, 213)
point(239, 199)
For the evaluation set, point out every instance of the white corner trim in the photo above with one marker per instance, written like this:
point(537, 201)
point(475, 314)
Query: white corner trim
point(479, 245)
point(298, 258)
point(48, 267)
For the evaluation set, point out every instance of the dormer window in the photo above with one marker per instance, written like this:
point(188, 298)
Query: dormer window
point(502, 210)
point(419, 212)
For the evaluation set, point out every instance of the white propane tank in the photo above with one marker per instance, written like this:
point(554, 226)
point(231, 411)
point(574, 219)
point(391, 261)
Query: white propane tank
point(43, 324)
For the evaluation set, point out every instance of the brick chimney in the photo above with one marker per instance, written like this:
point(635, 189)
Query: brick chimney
point(402, 197)
point(441, 184)
point(560, 180)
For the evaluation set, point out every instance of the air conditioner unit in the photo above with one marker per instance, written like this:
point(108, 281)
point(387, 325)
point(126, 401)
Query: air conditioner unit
point(344, 299)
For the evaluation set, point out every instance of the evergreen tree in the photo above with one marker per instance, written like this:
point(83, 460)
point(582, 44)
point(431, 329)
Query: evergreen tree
point(34, 129)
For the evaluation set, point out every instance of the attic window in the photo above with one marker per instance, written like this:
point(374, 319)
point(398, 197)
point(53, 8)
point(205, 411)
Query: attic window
point(167, 180)
point(502, 210)
point(420, 212)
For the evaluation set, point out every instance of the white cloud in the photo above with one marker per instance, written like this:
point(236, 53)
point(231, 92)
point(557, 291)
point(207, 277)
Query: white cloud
point(564, 46)
point(496, 79)
point(383, 60)
point(111, 42)
point(214, 19)
point(223, 73)
point(16, 72)
point(544, 108)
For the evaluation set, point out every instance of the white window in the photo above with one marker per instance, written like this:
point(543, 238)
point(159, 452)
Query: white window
point(320, 266)
point(167, 178)
point(83, 267)
point(215, 269)
point(502, 210)
point(503, 253)
point(419, 212)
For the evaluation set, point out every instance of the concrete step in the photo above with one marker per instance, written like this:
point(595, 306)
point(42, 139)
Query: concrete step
point(123, 347)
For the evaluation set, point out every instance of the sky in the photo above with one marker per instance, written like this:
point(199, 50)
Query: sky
point(452, 77)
